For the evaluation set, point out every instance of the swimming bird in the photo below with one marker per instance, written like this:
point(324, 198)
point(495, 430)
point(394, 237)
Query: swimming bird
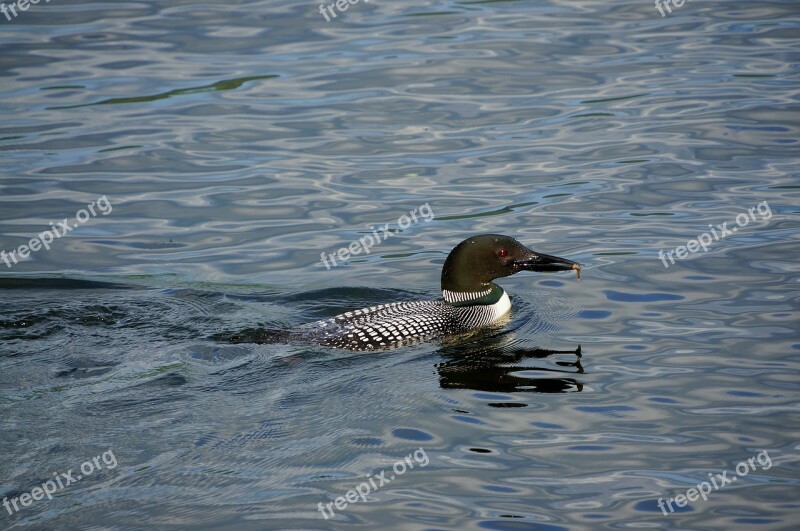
point(469, 299)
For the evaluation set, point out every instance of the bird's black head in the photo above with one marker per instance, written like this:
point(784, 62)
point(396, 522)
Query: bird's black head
point(475, 262)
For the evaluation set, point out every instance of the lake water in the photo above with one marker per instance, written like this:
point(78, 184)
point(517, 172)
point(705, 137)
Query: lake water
point(208, 153)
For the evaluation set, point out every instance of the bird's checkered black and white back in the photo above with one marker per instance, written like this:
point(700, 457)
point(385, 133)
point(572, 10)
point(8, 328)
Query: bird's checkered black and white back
point(402, 323)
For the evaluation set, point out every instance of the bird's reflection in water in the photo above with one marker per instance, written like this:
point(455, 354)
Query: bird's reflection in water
point(499, 365)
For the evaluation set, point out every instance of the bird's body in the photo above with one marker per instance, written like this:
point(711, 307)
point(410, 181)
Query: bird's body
point(399, 323)
point(469, 299)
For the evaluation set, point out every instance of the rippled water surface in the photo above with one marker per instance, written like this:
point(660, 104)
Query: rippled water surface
point(224, 146)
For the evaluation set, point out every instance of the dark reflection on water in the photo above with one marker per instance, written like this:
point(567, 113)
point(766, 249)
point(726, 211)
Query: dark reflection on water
point(498, 369)
point(237, 141)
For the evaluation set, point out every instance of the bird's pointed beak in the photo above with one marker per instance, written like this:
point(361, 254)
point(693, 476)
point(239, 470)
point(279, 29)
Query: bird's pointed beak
point(546, 263)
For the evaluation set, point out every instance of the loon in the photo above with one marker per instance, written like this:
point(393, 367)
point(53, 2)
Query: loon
point(470, 299)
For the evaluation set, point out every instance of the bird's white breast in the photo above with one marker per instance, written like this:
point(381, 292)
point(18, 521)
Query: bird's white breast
point(501, 307)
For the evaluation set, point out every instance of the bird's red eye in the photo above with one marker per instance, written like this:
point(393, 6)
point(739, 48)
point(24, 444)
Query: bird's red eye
point(502, 252)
